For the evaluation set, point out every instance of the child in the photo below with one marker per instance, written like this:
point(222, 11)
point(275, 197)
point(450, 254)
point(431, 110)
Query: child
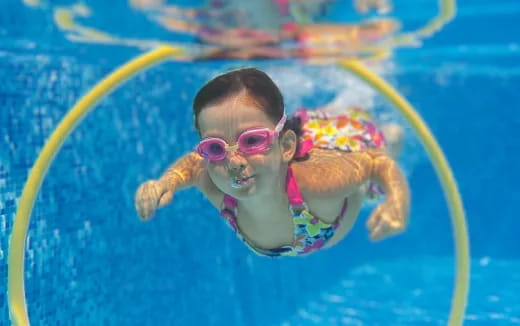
point(287, 187)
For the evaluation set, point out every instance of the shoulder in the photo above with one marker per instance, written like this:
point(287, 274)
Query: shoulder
point(327, 172)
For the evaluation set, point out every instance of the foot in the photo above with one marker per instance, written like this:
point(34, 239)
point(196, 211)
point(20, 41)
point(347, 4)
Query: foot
point(394, 135)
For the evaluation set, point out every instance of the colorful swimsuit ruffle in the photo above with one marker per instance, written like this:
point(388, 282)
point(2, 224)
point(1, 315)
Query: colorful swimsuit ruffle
point(351, 132)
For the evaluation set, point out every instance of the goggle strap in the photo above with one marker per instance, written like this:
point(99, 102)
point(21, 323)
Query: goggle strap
point(280, 124)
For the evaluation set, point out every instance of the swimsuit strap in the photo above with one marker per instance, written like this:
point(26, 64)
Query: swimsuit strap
point(293, 191)
point(296, 199)
point(230, 202)
point(229, 213)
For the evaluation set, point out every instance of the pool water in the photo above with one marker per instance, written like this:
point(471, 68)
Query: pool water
point(90, 261)
point(414, 291)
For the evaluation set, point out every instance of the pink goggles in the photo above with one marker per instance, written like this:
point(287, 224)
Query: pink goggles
point(250, 141)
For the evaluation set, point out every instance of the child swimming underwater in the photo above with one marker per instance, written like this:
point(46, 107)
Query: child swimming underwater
point(286, 186)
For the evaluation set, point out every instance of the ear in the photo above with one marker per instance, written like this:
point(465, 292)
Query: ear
point(288, 144)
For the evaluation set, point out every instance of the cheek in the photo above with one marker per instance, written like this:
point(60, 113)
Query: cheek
point(258, 160)
point(217, 171)
point(268, 161)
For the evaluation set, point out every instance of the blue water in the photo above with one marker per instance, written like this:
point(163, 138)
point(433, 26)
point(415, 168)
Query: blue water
point(90, 261)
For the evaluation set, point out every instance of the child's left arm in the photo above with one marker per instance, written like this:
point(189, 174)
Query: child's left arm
point(391, 216)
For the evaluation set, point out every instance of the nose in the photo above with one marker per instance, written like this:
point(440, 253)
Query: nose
point(236, 162)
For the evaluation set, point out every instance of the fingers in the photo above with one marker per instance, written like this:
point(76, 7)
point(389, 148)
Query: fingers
point(375, 217)
point(382, 223)
point(380, 231)
point(146, 200)
point(166, 198)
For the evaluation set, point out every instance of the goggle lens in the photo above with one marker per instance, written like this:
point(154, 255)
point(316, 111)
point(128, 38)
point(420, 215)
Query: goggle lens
point(212, 149)
point(252, 142)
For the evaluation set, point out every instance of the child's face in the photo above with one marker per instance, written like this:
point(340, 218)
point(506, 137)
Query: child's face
point(238, 174)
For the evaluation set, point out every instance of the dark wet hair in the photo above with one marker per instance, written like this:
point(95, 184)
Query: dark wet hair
point(256, 83)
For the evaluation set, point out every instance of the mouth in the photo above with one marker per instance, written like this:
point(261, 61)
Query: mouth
point(241, 181)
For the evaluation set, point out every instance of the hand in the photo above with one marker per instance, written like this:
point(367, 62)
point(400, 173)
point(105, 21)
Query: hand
point(150, 196)
point(389, 218)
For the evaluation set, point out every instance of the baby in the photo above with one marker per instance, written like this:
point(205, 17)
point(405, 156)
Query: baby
point(286, 186)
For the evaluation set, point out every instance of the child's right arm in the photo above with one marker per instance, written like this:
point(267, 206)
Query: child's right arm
point(187, 171)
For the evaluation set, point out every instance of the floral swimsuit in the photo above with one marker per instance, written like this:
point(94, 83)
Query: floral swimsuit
point(353, 131)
